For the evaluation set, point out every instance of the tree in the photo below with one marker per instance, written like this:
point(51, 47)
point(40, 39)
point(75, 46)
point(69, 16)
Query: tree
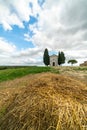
point(46, 58)
point(61, 58)
point(72, 61)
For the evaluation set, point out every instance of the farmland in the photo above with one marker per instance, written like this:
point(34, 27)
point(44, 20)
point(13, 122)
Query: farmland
point(43, 98)
point(8, 73)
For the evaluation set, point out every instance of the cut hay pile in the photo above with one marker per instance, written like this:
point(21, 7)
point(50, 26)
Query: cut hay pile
point(49, 102)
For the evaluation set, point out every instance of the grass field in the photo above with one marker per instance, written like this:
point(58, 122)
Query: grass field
point(14, 72)
point(53, 100)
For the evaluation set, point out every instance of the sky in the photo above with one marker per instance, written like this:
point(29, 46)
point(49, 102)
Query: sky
point(27, 27)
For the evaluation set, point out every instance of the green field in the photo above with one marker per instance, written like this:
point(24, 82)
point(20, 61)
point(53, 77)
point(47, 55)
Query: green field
point(14, 72)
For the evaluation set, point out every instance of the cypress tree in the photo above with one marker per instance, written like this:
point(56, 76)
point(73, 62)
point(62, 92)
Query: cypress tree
point(61, 58)
point(46, 58)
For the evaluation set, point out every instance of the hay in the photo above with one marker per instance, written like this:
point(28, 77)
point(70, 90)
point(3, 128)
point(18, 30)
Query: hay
point(49, 102)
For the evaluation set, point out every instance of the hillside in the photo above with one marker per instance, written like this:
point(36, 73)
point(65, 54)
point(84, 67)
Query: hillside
point(44, 101)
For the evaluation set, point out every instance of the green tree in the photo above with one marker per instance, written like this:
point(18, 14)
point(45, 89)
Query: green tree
point(73, 61)
point(61, 58)
point(46, 58)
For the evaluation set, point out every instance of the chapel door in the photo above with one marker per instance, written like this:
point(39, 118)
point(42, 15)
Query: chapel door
point(53, 63)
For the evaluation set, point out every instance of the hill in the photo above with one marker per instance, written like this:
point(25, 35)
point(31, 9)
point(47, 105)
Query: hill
point(45, 101)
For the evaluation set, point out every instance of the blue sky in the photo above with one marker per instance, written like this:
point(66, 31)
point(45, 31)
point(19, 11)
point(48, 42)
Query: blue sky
point(27, 27)
point(16, 35)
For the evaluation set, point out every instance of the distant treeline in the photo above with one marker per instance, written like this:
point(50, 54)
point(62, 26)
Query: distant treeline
point(13, 67)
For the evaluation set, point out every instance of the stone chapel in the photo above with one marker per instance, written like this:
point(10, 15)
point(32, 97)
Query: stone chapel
point(53, 60)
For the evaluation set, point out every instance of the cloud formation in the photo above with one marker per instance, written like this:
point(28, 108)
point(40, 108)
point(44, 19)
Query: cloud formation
point(6, 47)
point(15, 12)
point(10, 55)
point(61, 26)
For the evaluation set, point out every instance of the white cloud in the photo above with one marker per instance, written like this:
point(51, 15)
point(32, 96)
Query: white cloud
point(15, 12)
point(10, 55)
point(6, 47)
point(27, 37)
point(62, 25)
point(30, 52)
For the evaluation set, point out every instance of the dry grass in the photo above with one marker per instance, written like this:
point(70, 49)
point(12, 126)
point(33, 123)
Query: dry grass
point(76, 72)
point(47, 102)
